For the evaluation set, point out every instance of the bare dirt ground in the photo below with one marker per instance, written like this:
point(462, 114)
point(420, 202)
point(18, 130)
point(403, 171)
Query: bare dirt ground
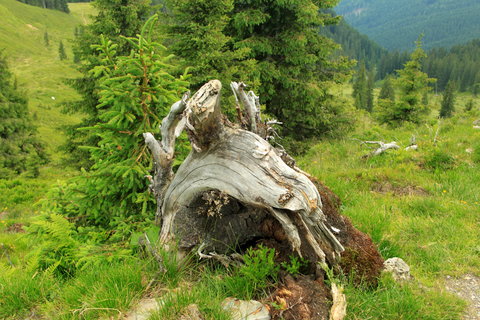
point(467, 287)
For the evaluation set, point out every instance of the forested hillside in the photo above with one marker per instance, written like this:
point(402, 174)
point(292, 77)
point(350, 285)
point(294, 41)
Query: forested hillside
point(396, 24)
point(460, 63)
point(354, 44)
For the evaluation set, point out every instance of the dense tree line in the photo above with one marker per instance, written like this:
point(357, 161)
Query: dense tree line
point(60, 5)
point(460, 63)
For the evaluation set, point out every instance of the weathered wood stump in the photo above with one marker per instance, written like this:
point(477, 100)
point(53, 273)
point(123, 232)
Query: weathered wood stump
point(235, 187)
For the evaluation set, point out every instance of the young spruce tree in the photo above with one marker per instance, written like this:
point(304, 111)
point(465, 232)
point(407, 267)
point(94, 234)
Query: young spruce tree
point(412, 83)
point(360, 87)
point(387, 91)
point(114, 21)
point(46, 39)
point(20, 150)
point(136, 92)
point(448, 101)
point(61, 51)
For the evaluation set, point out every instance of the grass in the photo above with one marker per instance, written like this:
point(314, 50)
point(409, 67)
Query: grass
point(102, 291)
point(208, 300)
point(426, 213)
point(208, 285)
point(434, 228)
point(107, 290)
point(407, 302)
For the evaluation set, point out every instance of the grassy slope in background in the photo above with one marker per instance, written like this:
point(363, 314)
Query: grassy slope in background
point(38, 68)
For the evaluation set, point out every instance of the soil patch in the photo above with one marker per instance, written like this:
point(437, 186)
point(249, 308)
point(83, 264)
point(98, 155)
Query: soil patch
point(3, 215)
point(467, 288)
point(16, 228)
point(302, 297)
point(396, 190)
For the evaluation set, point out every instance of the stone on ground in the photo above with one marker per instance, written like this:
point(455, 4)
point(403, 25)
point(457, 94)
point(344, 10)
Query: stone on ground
point(246, 310)
point(398, 268)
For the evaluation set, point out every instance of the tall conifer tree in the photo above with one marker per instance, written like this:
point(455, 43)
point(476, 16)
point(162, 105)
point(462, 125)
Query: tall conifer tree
point(360, 87)
point(370, 87)
point(295, 63)
point(61, 51)
point(197, 35)
point(279, 41)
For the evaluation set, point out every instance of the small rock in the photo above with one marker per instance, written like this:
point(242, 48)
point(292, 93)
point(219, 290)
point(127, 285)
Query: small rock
point(191, 313)
point(246, 310)
point(143, 310)
point(398, 268)
point(469, 150)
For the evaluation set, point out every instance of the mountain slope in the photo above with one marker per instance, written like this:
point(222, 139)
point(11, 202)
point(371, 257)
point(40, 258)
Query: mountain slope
point(37, 67)
point(354, 44)
point(397, 24)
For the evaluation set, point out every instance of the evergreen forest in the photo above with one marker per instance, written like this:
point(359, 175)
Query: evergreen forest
point(105, 106)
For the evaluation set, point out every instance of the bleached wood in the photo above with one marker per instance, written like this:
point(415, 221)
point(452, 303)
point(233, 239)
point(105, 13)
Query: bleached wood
point(163, 151)
point(339, 307)
point(244, 166)
point(382, 147)
point(413, 144)
point(250, 103)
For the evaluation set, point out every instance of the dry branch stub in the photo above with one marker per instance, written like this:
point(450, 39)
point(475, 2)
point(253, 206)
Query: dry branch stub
point(382, 147)
point(234, 188)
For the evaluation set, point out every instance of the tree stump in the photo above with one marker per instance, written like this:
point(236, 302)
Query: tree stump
point(235, 187)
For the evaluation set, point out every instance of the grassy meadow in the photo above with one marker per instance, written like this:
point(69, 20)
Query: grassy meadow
point(422, 206)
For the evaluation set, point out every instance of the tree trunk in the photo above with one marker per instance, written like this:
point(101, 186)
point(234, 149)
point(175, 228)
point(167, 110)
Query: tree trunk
point(234, 187)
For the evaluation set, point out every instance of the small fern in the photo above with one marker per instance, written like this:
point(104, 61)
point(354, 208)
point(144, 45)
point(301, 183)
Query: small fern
point(57, 245)
point(61, 250)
